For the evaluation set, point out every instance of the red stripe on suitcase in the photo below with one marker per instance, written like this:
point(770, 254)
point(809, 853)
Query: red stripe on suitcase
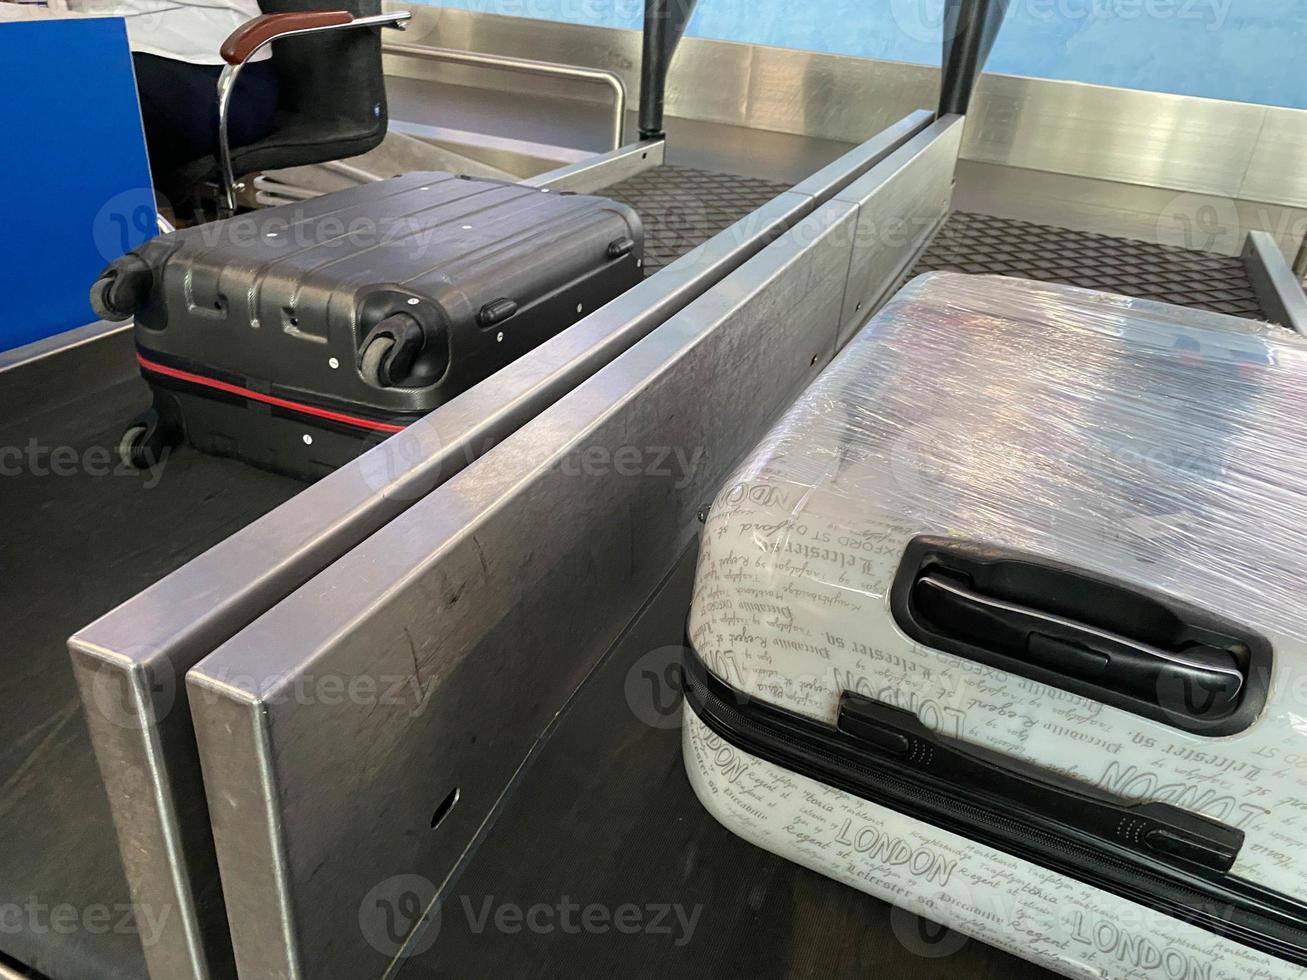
point(258, 396)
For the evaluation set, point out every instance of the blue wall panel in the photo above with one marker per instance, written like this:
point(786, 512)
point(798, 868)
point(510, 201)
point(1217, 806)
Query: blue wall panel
point(73, 154)
point(1243, 50)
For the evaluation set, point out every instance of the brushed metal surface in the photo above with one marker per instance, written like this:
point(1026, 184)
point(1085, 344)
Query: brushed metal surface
point(1114, 134)
point(1277, 287)
point(529, 66)
point(518, 157)
point(901, 201)
point(1204, 222)
point(604, 169)
point(59, 343)
point(1205, 146)
point(130, 663)
point(495, 594)
point(1275, 171)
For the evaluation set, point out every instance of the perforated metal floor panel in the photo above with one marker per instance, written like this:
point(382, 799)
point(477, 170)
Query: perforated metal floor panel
point(984, 244)
point(682, 207)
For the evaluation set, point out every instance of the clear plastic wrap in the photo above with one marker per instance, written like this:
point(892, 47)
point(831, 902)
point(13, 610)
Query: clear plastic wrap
point(1159, 447)
point(1124, 433)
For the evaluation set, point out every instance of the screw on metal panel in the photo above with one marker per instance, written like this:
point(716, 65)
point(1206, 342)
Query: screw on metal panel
point(578, 307)
point(333, 363)
point(413, 301)
point(308, 439)
point(467, 227)
point(272, 234)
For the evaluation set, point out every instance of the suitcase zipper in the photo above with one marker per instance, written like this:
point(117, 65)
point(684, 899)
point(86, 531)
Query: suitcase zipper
point(1234, 908)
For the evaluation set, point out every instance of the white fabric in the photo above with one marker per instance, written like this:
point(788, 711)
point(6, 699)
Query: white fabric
point(184, 30)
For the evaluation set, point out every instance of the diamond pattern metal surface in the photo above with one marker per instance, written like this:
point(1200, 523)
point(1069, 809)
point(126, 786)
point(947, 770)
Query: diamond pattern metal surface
point(682, 207)
point(984, 244)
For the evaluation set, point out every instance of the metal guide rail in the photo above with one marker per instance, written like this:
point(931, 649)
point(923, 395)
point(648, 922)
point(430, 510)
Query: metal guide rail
point(84, 534)
point(603, 818)
point(134, 660)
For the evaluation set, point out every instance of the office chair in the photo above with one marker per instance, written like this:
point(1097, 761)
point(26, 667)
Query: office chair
point(331, 100)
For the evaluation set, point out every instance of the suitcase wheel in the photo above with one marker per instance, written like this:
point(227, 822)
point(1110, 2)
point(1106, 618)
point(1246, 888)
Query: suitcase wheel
point(145, 442)
point(121, 288)
point(374, 368)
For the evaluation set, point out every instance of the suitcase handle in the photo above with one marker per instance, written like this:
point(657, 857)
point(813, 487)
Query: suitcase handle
point(1160, 830)
point(1108, 641)
point(1081, 651)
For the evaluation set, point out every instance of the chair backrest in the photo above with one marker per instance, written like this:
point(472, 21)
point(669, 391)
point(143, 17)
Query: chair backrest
point(334, 77)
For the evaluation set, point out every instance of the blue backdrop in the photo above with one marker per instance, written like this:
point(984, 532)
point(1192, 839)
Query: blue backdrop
point(73, 153)
point(1245, 50)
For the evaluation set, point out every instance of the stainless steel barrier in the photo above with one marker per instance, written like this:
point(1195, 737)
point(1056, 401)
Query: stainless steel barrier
point(480, 609)
point(1278, 286)
point(527, 66)
point(1152, 139)
point(901, 203)
point(131, 662)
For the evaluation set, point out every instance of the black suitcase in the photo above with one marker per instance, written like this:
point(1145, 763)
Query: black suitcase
point(297, 336)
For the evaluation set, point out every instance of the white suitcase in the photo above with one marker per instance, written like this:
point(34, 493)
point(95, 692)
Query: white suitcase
point(1003, 623)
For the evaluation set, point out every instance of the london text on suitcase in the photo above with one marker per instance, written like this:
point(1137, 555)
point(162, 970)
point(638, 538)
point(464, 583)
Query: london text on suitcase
point(1004, 624)
point(296, 336)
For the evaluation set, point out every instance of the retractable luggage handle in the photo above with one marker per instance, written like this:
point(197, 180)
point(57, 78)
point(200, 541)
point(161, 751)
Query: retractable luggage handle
point(1165, 831)
point(1114, 643)
point(875, 739)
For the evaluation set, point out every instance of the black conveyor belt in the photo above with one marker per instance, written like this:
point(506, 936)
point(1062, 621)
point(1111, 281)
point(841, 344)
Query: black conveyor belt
point(682, 207)
point(983, 244)
point(71, 548)
point(603, 815)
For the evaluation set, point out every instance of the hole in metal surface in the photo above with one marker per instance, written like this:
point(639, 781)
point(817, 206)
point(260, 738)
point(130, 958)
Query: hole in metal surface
point(446, 805)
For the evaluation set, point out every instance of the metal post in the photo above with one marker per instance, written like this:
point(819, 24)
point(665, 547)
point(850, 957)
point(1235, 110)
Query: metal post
point(970, 28)
point(664, 23)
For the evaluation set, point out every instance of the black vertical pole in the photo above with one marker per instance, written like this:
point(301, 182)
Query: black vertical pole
point(970, 28)
point(664, 23)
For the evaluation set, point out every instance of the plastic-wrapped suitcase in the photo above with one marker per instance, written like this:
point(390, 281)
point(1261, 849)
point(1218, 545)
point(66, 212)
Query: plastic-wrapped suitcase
point(295, 336)
point(1004, 624)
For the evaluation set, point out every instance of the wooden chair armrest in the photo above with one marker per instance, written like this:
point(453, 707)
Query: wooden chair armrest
point(251, 35)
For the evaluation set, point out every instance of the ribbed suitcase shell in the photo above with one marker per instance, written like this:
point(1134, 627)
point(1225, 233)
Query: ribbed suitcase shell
point(1156, 447)
point(281, 300)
